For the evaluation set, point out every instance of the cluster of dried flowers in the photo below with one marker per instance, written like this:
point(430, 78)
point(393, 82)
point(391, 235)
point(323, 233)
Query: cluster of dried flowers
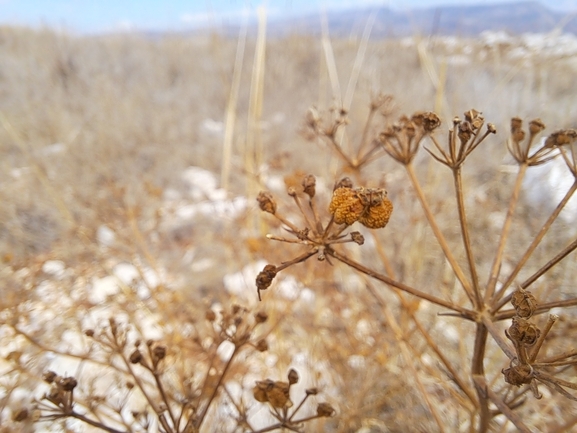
point(277, 395)
point(528, 339)
point(369, 206)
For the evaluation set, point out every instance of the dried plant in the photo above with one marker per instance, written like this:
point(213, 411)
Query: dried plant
point(484, 303)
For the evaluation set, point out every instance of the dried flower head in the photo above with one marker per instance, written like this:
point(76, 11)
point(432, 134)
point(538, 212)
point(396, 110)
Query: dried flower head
point(523, 332)
point(370, 207)
point(561, 137)
point(427, 119)
point(309, 185)
point(524, 303)
point(265, 277)
point(325, 410)
point(135, 357)
point(293, 376)
point(518, 375)
point(266, 202)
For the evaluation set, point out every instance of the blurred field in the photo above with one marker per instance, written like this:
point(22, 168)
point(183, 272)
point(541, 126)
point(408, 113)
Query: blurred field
point(111, 204)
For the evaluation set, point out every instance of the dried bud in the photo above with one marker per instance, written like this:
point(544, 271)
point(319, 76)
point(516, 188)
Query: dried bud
point(261, 345)
point(20, 415)
point(260, 391)
point(309, 185)
point(325, 410)
point(210, 316)
point(523, 332)
point(475, 118)
point(518, 375)
point(265, 277)
point(428, 120)
point(293, 376)
point(536, 126)
point(345, 182)
point(465, 132)
point(491, 128)
point(235, 309)
point(266, 202)
point(516, 124)
point(524, 303)
point(357, 238)
point(89, 332)
point(311, 391)
point(279, 395)
point(158, 353)
point(135, 356)
point(291, 191)
point(562, 137)
point(261, 317)
point(49, 376)
point(68, 383)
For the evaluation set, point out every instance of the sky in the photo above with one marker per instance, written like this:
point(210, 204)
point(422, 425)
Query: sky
point(96, 16)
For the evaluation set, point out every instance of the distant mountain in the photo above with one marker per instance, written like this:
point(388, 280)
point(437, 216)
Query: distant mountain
point(514, 18)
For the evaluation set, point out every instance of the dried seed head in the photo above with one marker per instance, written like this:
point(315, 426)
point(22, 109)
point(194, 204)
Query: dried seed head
point(475, 118)
point(378, 212)
point(235, 309)
point(491, 128)
point(311, 391)
point(210, 316)
point(291, 191)
point(536, 126)
point(49, 376)
point(261, 317)
point(20, 415)
point(135, 357)
point(465, 132)
point(266, 202)
point(516, 124)
point(357, 238)
point(158, 353)
point(68, 383)
point(279, 395)
point(89, 332)
point(309, 185)
point(325, 410)
point(428, 120)
point(260, 391)
point(293, 376)
point(262, 345)
point(524, 303)
point(561, 137)
point(265, 277)
point(518, 375)
point(345, 206)
point(523, 332)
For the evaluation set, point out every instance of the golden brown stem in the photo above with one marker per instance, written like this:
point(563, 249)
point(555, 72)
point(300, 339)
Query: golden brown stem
point(478, 302)
point(505, 233)
point(463, 312)
point(438, 234)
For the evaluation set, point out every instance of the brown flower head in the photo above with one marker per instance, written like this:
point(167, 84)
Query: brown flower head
point(518, 375)
point(523, 332)
point(524, 303)
point(265, 277)
point(309, 185)
point(325, 410)
point(345, 206)
point(266, 202)
point(428, 120)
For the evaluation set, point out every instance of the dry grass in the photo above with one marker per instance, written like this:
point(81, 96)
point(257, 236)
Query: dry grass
point(120, 273)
